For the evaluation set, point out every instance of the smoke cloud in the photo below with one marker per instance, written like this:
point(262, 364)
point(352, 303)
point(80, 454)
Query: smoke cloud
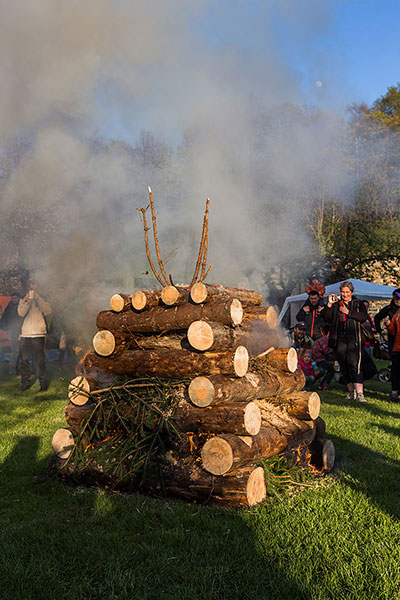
point(81, 81)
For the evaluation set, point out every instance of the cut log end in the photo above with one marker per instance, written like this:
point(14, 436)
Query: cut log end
point(117, 303)
point(104, 343)
point(62, 442)
point(252, 418)
point(200, 335)
point(78, 390)
point(170, 295)
point(201, 391)
point(217, 456)
point(314, 405)
point(256, 488)
point(292, 360)
point(139, 300)
point(328, 455)
point(236, 312)
point(241, 361)
point(198, 293)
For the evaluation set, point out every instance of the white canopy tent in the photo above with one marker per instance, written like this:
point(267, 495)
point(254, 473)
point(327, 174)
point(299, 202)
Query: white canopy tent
point(364, 290)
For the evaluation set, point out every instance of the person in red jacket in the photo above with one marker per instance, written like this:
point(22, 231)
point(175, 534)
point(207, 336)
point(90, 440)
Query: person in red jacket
point(393, 327)
point(308, 366)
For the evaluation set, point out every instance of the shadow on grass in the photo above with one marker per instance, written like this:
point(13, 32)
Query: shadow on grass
point(60, 541)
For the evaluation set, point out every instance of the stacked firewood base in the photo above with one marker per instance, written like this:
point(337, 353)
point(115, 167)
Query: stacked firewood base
point(186, 390)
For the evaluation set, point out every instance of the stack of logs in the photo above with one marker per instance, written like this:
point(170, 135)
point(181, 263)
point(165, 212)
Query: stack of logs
point(244, 399)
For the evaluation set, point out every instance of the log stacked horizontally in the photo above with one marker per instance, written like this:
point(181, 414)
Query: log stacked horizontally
point(235, 386)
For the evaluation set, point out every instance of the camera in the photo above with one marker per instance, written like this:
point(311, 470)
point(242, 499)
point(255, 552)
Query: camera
point(335, 298)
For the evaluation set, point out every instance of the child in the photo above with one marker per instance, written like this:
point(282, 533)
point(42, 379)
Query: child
point(308, 366)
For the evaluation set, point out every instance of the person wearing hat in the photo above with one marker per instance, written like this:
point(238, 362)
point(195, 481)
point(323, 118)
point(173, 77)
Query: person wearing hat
point(298, 337)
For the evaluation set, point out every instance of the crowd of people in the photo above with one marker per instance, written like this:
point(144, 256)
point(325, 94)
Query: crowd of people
point(342, 331)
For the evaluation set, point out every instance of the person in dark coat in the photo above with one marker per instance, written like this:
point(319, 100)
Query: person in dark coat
point(387, 312)
point(311, 314)
point(11, 322)
point(345, 316)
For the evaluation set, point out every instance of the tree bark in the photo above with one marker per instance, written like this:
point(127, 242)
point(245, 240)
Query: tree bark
point(172, 295)
point(205, 335)
point(217, 389)
point(239, 418)
point(323, 455)
point(281, 359)
point(74, 415)
point(287, 425)
point(302, 405)
point(202, 292)
point(167, 363)
point(266, 314)
point(225, 453)
point(160, 319)
point(244, 487)
point(145, 299)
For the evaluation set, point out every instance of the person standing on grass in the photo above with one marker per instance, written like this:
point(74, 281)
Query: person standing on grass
point(345, 317)
point(393, 327)
point(11, 322)
point(33, 308)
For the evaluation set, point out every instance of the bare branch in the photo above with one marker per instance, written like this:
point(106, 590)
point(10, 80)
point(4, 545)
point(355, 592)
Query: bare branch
point(153, 214)
point(146, 241)
point(204, 264)
point(201, 249)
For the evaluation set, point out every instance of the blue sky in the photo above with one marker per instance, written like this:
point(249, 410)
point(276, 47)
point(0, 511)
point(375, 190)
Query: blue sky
point(352, 47)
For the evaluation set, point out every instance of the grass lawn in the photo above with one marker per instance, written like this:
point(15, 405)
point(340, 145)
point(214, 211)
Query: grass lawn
point(337, 540)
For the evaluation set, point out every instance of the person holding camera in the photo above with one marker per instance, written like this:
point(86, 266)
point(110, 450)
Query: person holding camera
point(33, 308)
point(345, 315)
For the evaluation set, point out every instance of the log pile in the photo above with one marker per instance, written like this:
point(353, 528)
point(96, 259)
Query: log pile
point(202, 390)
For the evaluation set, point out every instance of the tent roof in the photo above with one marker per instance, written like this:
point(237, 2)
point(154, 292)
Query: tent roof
point(364, 290)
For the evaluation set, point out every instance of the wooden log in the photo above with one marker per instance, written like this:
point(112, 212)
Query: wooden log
point(172, 295)
point(265, 314)
point(160, 319)
point(74, 414)
point(281, 359)
point(202, 292)
point(121, 302)
point(244, 487)
point(323, 455)
point(239, 418)
point(104, 342)
point(320, 427)
point(216, 389)
point(145, 299)
point(206, 335)
point(168, 363)
point(80, 388)
point(62, 443)
point(286, 424)
point(302, 405)
point(224, 453)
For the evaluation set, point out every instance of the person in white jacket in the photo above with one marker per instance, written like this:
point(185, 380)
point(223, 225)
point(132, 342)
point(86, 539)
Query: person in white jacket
point(34, 309)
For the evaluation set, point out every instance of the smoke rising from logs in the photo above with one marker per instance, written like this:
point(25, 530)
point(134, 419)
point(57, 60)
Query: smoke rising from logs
point(78, 76)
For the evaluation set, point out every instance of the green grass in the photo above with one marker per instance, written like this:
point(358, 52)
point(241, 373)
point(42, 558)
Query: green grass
point(339, 539)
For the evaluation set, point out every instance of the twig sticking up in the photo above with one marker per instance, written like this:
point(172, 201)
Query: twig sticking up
point(153, 214)
point(201, 249)
point(146, 241)
point(208, 270)
point(205, 245)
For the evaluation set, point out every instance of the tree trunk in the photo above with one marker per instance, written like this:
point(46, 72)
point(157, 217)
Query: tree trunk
point(202, 292)
point(74, 415)
point(323, 455)
point(240, 418)
point(167, 363)
point(302, 405)
point(284, 423)
point(244, 487)
point(172, 295)
point(80, 388)
point(228, 312)
point(204, 335)
point(265, 314)
point(217, 389)
point(281, 359)
point(121, 302)
point(224, 453)
point(145, 299)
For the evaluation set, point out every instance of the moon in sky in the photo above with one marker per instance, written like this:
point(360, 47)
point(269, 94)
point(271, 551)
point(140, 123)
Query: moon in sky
point(319, 83)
